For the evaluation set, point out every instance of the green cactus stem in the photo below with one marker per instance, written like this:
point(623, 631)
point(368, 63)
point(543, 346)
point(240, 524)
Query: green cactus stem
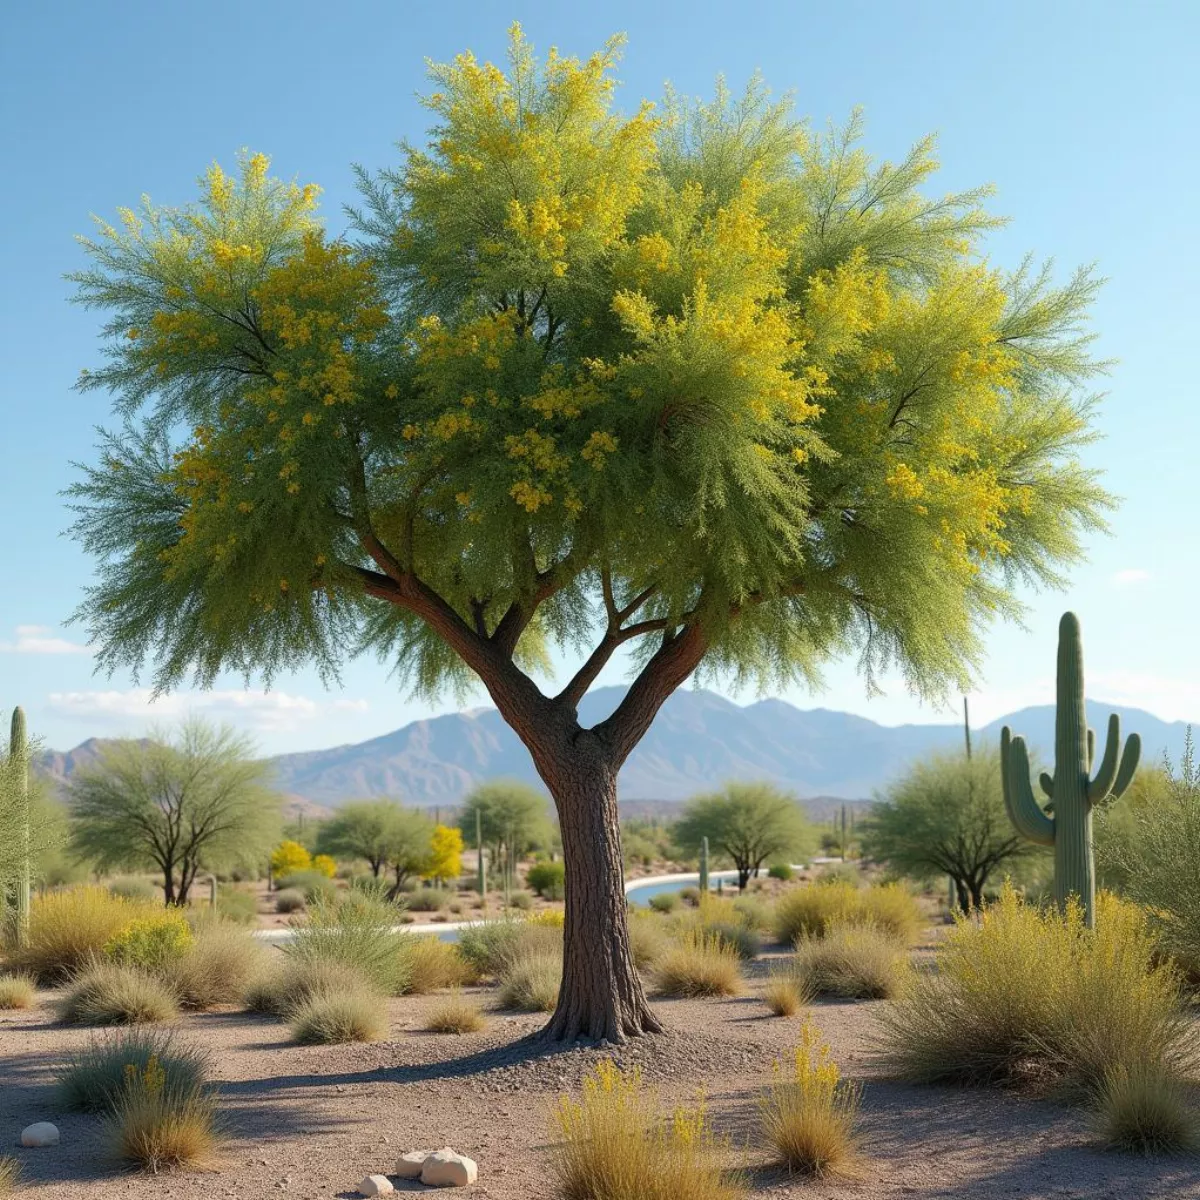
point(482, 868)
point(18, 758)
point(1073, 791)
point(703, 865)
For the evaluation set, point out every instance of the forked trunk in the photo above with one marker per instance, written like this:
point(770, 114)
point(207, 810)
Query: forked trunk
point(601, 994)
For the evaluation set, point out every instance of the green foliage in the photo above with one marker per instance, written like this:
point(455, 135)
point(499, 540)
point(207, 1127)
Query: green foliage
point(312, 885)
point(197, 803)
point(747, 822)
point(236, 905)
point(152, 942)
point(1072, 790)
point(289, 900)
point(780, 870)
point(218, 967)
point(489, 947)
point(426, 900)
point(646, 841)
point(296, 980)
point(91, 1079)
point(946, 816)
point(107, 993)
point(383, 833)
point(548, 879)
point(133, 887)
point(513, 817)
point(664, 902)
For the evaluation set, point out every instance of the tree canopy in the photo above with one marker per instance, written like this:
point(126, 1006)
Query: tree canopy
point(750, 823)
point(199, 801)
point(382, 832)
point(512, 817)
point(946, 816)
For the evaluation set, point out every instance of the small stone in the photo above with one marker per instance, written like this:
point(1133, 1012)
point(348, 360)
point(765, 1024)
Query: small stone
point(408, 1166)
point(40, 1134)
point(376, 1185)
point(444, 1168)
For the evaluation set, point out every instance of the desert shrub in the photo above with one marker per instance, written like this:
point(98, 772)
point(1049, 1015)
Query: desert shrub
point(548, 879)
point(91, 1080)
point(162, 1124)
point(293, 982)
point(700, 964)
point(135, 887)
point(151, 942)
point(613, 1146)
point(664, 902)
point(812, 911)
point(809, 1114)
point(1142, 1109)
point(852, 962)
point(289, 900)
point(325, 864)
point(237, 906)
point(490, 946)
point(289, 858)
point(551, 918)
point(356, 930)
point(648, 939)
point(10, 1174)
point(522, 901)
point(434, 964)
point(1031, 991)
point(358, 1015)
point(720, 917)
point(455, 1015)
point(787, 992)
point(17, 991)
point(843, 872)
point(744, 942)
point(221, 963)
point(530, 981)
point(753, 912)
point(68, 928)
point(689, 895)
point(426, 899)
point(312, 885)
point(109, 993)
point(780, 870)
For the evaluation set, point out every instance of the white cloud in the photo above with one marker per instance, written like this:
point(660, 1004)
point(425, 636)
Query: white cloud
point(267, 712)
point(39, 639)
point(1130, 576)
point(1166, 696)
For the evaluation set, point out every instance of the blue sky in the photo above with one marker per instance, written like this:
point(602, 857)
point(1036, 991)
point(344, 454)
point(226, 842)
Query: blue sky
point(1083, 115)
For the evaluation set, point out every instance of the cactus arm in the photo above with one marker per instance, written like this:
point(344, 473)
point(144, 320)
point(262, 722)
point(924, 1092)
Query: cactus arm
point(1101, 783)
point(1047, 782)
point(1129, 764)
point(1023, 809)
point(1091, 747)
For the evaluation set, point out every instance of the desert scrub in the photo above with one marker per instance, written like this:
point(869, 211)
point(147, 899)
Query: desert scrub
point(68, 928)
point(427, 899)
point(151, 942)
point(289, 900)
point(787, 992)
point(237, 906)
point(1141, 1109)
point(455, 1015)
point(221, 963)
point(160, 1124)
point(10, 1174)
point(433, 964)
point(314, 886)
point(809, 1113)
point(548, 879)
point(17, 991)
point(754, 913)
point(135, 887)
point(700, 964)
point(664, 902)
point(529, 982)
point(292, 983)
point(852, 962)
point(357, 931)
point(107, 993)
point(490, 946)
point(811, 911)
point(1033, 993)
point(358, 1015)
point(521, 901)
point(723, 919)
point(91, 1080)
point(648, 939)
point(614, 1146)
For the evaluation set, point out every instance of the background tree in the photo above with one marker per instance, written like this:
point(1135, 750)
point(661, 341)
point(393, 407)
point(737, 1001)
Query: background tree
point(946, 816)
point(445, 854)
point(197, 802)
point(360, 829)
point(409, 845)
point(513, 820)
point(750, 823)
point(707, 389)
point(1149, 797)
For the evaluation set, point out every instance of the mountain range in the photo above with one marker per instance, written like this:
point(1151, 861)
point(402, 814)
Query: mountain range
point(697, 741)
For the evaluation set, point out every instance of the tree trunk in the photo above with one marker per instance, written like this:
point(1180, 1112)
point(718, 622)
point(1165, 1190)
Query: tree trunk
point(601, 995)
point(743, 877)
point(168, 883)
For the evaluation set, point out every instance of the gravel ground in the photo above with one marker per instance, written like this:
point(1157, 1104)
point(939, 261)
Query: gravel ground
point(312, 1121)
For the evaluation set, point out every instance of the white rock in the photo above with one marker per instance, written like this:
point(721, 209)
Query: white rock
point(408, 1166)
point(376, 1185)
point(41, 1134)
point(444, 1168)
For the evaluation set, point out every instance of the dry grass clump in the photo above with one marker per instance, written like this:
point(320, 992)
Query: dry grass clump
point(700, 964)
point(92, 1079)
point(107, 993)
point(159, 1124)
point(289, 900)
point(787, 993)
point(648, 939)
point(434, 964)
point(1033, 992)
point(17, 991)
point(812, 911)
point(614, 1146)
point(852, 962)
point(664, 902)
point(530, 982)
point(354, 1016)
point(489, 947)
point(455, 1015)
point(294, 982)
point(728, 920)
point(809, 1114)
point(221, 963)
point(68, 928)
point(1142, 1109)
point(10, 1173)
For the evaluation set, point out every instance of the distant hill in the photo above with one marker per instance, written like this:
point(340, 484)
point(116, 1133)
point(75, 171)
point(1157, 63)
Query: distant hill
point(698, 740)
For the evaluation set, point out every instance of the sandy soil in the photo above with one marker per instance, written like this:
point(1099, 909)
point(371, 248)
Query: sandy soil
point(311, 1121)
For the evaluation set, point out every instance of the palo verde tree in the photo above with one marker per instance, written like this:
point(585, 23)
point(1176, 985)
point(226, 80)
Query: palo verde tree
point(689, 383)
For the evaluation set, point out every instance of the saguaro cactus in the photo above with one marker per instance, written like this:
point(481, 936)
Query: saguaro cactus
point(481, 869)
point(1072, 790)
point(704, 865)
point(18, 761)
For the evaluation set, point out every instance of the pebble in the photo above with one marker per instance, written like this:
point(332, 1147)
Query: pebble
point(41, 1133)
point(376, 1185)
